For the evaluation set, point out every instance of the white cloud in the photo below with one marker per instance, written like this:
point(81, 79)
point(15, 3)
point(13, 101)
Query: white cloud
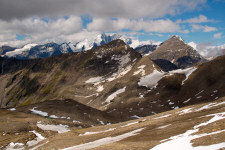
point(218, 35)
point(204, 28)
point(38, 30)
point(96, 8)
point(161, 25)
point(209, 51)
point(199, 19)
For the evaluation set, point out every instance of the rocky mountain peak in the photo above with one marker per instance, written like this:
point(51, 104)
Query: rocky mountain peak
point(178, 52)
point(176, 37)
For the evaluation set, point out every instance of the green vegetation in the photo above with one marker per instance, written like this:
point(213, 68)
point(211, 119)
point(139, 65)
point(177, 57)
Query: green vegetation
point(50, 86)
point(26, 88)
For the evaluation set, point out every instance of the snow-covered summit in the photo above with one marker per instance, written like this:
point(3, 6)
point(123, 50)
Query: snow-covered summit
point(20, 50)
point(51, 49)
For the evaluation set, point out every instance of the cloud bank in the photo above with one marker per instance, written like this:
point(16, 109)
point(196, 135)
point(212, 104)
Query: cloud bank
point(11, 9)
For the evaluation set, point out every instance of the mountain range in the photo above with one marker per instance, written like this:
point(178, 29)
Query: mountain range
point(111, 96)
point(32, 51)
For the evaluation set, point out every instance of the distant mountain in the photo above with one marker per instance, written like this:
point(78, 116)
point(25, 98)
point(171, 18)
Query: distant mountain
point(146, 49)
point(5, 49)
point(177, 52)
point(32, 51)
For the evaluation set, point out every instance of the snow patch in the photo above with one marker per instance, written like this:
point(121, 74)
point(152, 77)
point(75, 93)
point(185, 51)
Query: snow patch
point(39, 112)
point(152, 79)
point(129, 124)
point(136, 117)
point(141, 70)
point(38, 139)
point(12, 109)
point(183, 141)
point(100, 88)
point(185, 111)
point(104, 141)
point(210, 105)
point(163, 116)
point(58, 128)
point(54, 116)
point(187, 100)
point(94, 80)
point(113, 95)
point(15, 146)
point(90, 133)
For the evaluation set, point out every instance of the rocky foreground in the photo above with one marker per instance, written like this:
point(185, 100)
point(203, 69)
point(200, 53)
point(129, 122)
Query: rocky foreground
point(195, 127)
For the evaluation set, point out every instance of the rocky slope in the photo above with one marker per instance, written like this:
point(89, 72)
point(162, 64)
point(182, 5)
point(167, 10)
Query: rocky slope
point(109, 84)
point(111, 78)
point(177, 52)
point(194, 127)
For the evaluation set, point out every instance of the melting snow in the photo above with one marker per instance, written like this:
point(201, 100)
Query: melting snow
point(36, 147)
point(12, 109)
point(38, 112)
point(187, 100)
point(15, 146)
point(141, 70)
point(188, 110)
point(102, 123)
point(75, 121)
point(183, 141)
point(94, 80)
point(113, 95)
point(90, 133)
point(129, 124)
point(151, 79)
point(54, 116)
point(100, 88)
point(58, 128)
point(104, 141)
point(120, 73)
point(210, 105)
point(187, 72)
point(163, 116)
point(38, 139)
point(136, 117)
point(199, 93)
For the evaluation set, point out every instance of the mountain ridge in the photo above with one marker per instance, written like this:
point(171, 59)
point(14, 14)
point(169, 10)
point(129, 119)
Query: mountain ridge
point(32, 51)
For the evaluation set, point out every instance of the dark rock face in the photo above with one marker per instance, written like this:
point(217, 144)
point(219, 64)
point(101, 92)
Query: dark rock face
point(178, 52)
point(146, 49)
point(5, 49)
point(165, 64)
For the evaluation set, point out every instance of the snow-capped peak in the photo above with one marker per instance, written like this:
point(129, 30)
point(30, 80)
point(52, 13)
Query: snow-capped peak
point(20, 50)
point(78, 46)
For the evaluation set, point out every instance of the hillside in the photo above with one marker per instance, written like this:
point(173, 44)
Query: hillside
point(111, 78)
point(196, 127)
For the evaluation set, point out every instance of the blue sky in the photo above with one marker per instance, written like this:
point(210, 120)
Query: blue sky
point(200, 21)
